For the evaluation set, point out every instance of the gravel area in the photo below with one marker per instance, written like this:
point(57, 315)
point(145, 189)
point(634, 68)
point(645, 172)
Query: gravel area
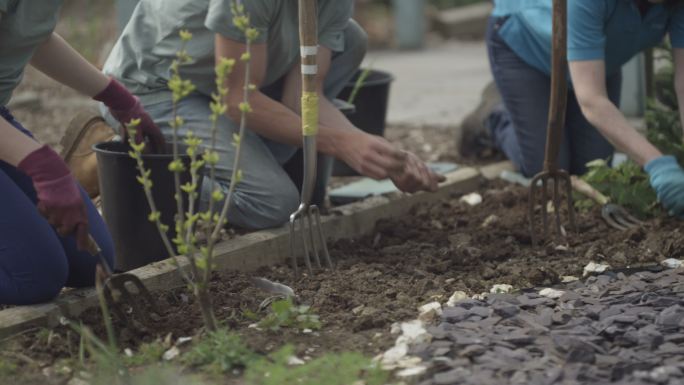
point(611, 328)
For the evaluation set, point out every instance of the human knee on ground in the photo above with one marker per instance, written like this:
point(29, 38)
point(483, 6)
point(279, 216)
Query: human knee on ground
point(257, 208)
point(40, 275)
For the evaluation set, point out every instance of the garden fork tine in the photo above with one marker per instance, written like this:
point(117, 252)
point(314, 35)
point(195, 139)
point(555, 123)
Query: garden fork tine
point(308, 215)
point(558, 102)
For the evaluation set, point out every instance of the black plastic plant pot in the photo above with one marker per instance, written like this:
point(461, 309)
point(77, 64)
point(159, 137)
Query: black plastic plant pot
point(137, 241)
point(371, 102)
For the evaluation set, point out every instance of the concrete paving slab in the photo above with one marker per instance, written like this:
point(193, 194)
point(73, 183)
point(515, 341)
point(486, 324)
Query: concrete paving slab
point(436, 86)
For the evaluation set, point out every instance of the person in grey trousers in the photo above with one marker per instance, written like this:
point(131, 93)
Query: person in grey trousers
point(266, 195)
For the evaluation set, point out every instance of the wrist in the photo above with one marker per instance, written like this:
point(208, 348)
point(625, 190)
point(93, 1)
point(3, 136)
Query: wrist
point(116, 97)
point(336, 141)
point(42, 164)
point(663, 161)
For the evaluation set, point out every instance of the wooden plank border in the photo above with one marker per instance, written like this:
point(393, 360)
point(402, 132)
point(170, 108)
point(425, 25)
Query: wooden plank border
point(244, 253)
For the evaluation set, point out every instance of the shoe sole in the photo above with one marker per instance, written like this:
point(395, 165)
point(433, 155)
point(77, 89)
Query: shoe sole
point(78, 126)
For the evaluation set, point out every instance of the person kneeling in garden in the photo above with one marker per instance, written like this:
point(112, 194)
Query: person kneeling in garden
point(45, 216)
point(266, 194)
point(603, 35)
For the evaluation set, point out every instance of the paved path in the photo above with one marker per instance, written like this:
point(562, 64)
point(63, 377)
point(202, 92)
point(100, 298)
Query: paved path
point(437, 86)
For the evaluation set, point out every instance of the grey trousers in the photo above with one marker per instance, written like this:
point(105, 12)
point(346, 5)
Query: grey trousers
point(267, 194)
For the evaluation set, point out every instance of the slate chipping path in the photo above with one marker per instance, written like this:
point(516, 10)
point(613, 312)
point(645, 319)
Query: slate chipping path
point(609, 329)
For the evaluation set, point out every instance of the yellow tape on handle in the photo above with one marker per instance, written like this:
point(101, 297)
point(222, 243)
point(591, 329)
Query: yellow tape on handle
point(309, 113)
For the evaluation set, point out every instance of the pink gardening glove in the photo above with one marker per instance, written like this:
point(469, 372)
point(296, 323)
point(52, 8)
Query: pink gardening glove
point(125, 107)
point(59, 198)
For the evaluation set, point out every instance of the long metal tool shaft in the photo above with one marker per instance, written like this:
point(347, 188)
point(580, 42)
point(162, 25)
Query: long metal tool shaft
point(554, 137)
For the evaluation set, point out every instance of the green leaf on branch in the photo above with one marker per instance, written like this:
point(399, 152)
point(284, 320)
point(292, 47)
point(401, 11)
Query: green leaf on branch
point(176, 165)
point(154, 216)
point(626, 185)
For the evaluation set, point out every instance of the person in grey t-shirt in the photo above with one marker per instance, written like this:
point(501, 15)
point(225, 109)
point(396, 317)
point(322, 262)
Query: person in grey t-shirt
point(266, 196)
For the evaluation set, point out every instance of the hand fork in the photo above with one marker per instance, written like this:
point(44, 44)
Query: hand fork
point(558, 103)
point(615, 216)
point(117, 285)
point(308, 215)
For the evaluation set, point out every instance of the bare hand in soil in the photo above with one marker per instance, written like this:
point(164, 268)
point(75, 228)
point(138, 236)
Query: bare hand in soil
point(416, 176)
point(372, 156)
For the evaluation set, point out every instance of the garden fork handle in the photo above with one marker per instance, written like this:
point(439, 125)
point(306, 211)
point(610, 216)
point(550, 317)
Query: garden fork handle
point(559, 85)
point(308, 37)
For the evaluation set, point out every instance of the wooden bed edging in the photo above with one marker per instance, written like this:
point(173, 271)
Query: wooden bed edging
point(244, 253)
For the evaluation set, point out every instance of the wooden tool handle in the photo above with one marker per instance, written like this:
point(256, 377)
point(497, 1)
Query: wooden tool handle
point(559, 85)
point(308, 37)
point(588, 190)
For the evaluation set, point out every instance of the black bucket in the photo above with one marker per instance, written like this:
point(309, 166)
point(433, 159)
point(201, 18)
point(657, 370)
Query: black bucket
point(125, 208)
point(371, 104)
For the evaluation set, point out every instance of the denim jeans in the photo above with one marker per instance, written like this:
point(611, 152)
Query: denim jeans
point(35, 261)
point(518, 127)
point(269, 190)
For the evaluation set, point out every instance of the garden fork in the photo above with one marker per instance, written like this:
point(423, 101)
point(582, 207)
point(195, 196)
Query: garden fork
point(308, 215)
point(558, 102)
point(117, 284)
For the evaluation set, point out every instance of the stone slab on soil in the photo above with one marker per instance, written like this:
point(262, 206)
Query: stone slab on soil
point(612, 328)
point(245, 253)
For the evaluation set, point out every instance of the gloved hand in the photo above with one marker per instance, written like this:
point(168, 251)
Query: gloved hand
point(59, 198)
point(667, 179)
point(125, 107)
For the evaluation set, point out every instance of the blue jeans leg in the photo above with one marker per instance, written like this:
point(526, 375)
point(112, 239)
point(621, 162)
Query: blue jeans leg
point(519, 126)
point(35, 262)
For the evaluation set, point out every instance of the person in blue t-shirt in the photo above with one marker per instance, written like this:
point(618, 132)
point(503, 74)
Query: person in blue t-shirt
point(603, 35)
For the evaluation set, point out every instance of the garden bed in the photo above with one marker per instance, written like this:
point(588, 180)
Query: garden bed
point(382, 278)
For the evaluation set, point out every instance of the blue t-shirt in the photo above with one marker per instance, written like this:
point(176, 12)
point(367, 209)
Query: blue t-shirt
point(609, 30)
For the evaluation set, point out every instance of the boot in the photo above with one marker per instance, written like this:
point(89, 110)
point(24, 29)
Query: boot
point(474, 134)
point(85, 130)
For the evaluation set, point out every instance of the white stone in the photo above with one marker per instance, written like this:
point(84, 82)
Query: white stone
point(171, 354)
point(472, 199)
point(411, 372)
point(357, 310)
point(77, 381)
point(295, 361)
point(568, 279)
point(457, 297)
point(429, 312)
point(672, 263)
point(394, 354)
point(593, 267)
point(413, 332)
point(501, 289)
point(551, 293)
point(480, 297)
point(395, 328)
point(490, 220)
point(183, 340)
point(128, 352)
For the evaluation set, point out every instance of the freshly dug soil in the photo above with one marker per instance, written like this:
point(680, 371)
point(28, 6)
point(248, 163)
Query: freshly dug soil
point(382, 278)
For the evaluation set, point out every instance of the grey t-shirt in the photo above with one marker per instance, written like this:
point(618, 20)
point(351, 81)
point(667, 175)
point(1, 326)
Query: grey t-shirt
point(24, 25)
point(142, 57)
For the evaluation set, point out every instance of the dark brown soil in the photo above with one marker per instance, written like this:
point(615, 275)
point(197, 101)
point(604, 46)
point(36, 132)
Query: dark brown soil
point(426, 256)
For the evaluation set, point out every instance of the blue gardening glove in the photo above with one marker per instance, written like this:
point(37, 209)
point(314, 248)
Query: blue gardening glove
point(667, 179)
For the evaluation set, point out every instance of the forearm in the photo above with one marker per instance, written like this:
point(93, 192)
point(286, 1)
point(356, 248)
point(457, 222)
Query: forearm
point(613, 125)
point(14, 145)
point(278, 122)
point(58, 60)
